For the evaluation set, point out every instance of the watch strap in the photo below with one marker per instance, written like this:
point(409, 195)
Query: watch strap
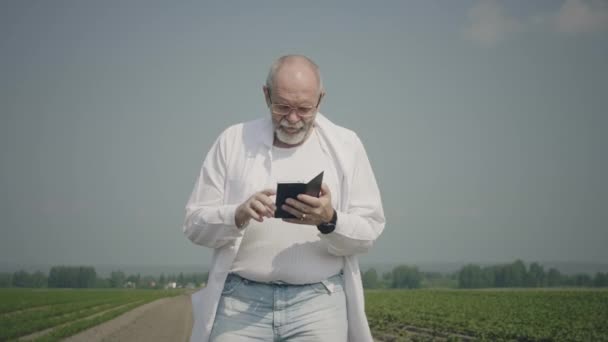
point(326, 228)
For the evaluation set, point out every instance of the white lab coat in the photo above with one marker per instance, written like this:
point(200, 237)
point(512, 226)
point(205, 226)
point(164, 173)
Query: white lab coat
point(238, 165)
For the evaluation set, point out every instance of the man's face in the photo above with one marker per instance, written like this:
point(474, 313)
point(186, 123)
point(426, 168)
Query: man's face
point(300, 91)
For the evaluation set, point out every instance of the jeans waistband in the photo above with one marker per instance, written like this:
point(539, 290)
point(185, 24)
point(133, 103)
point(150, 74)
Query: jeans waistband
point(335, 277)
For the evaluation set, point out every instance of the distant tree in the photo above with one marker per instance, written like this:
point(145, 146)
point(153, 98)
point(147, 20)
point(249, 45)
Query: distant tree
point(53, 280)
point(87, 277)
point(72, 277)
point(38, 279)
point(134, 279)
point(438, 280)
point(198, 278)
point(149, 282)
point(600, 280)
point(188, 278)
point(515, 274)
point(554, 278)
point(21, 279)
point(117, 279)
point(488, 274)
point(406, 277)
point(180, 279)
point(535, 277)
point(370, 279)
point(500, 275)
point(102, 283)
point(6, 279)
point(471, 277)
point(387, 279)
point(583, 280)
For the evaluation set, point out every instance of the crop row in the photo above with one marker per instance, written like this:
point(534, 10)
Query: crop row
point(531, 315)
point(15, 299)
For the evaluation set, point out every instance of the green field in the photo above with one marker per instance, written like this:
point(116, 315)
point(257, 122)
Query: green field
point(394, 315)
point(492, 315)
point(66, 311)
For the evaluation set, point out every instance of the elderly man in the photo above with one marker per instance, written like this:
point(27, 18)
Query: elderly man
point(284, 279)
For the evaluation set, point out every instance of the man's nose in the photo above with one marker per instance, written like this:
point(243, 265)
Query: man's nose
point(292, 117)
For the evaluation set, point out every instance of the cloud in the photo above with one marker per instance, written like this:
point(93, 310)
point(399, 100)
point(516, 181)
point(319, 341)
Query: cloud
point(488, 22)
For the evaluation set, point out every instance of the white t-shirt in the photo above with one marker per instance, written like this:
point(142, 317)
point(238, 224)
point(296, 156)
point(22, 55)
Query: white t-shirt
point(275, 250)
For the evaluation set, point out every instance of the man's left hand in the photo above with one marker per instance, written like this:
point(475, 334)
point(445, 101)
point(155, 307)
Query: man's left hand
point(310, 210)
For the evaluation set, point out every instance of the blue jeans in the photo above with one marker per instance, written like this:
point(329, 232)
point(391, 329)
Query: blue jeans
point(250, 310)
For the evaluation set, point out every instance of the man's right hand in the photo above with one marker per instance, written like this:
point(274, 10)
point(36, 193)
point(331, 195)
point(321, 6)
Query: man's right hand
point(258, 206)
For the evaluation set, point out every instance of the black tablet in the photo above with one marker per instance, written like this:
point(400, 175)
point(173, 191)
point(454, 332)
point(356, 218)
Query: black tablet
point(292, 190)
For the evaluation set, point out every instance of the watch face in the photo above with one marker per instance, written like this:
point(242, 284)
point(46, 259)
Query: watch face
point(326, 228)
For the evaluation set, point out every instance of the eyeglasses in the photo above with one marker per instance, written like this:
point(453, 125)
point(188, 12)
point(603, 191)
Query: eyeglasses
point(284, 109)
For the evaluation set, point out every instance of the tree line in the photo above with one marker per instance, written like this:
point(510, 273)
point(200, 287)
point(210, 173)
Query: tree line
point(471, 276)
point(400, 277)
point(87, 277)
point(516, 274)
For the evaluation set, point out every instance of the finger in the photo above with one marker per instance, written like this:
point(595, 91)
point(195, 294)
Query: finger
point(265, 199)
point(309, 200)
point(254, 215)
point(325, 189)
point(271, 210)
point(303, 207)
point(292, 211)
point(269, 192)
point(260, 208)
point(268, 207)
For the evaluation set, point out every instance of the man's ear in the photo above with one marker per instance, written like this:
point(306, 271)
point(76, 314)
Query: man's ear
point(321, 96)
point(266, 91)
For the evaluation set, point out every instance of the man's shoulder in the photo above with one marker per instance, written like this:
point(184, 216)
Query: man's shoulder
point(242, 130)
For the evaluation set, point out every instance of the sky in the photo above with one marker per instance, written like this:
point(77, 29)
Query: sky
point(484, 121)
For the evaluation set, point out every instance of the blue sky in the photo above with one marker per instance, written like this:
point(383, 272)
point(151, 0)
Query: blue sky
point(484, 121)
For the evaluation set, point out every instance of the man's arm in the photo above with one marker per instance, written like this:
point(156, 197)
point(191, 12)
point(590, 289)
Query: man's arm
point(209, 222)
point(363, 221)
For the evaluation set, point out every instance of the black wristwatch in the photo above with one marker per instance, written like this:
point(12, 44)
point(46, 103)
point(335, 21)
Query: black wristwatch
point(326, 228)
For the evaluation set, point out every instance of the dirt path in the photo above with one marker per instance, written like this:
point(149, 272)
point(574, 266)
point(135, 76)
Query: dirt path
point(167, 319)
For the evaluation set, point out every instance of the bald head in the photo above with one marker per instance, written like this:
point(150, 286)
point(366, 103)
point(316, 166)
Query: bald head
point(294, 70)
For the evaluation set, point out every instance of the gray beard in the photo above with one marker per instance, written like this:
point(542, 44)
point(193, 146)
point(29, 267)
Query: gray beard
point(290, 139)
